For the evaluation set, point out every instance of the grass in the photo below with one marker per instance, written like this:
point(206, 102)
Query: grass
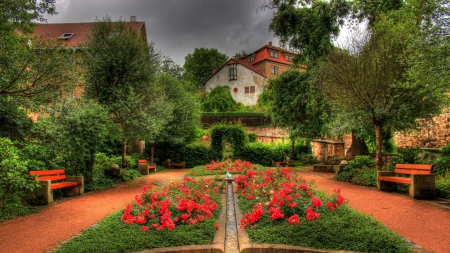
point(112, 235)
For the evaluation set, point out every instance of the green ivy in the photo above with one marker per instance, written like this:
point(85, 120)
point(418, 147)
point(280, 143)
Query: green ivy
point(235, 134)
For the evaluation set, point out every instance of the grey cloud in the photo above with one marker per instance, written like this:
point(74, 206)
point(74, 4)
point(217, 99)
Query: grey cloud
point(177, 27)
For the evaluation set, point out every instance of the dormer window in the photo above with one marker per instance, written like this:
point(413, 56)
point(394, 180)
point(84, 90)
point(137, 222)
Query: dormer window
point(288, 57)
point(273, 54)
point(66, 36)
point(251, 58)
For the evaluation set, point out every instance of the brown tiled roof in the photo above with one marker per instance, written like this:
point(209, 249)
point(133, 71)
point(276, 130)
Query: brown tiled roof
point(79, 30)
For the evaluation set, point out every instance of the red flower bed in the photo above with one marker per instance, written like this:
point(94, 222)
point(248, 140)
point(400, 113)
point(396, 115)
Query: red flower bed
point(282, 194)
point(187, 202)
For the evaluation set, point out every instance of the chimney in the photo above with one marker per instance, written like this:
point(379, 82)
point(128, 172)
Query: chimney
point(270, 43)
point(133, 19)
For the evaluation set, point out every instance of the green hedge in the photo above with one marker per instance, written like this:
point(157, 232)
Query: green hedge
point(264, 154)
point(234, 114)
point(196, 154)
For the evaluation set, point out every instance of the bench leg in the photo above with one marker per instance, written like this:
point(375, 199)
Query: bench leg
point(75, 190)
point(386, 186)
point(42, 195)
point(143, 168)
point(422, 187)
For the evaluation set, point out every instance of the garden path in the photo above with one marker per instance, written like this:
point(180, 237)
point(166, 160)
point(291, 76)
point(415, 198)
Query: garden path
point(60, 221)
point(422, 222)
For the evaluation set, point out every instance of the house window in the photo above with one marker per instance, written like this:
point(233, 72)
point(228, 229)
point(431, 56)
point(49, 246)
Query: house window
point(275, 70)
point(249, 89)
point(232, 72)
point(251, 58)
point(288, 57)
point(273, 54)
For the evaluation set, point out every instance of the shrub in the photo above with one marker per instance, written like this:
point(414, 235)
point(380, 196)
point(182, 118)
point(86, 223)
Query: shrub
point(308, 159)
point(354, 167)
point(443, 186)
point(196, 154)
point(365, 177)
point(15, 180)
point(252, 137)
point(441, 166)
point(257, 152)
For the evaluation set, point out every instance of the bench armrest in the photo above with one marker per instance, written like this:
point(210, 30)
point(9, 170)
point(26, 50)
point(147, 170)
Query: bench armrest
point(80, 180)
point(386, 174)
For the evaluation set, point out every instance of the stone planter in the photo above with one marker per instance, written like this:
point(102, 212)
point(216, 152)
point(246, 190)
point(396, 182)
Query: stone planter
point(114, 171)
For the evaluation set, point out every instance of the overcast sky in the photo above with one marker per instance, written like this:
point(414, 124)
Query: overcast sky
point(177, 27)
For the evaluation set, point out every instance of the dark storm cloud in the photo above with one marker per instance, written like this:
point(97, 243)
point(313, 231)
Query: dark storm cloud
point(177, 27)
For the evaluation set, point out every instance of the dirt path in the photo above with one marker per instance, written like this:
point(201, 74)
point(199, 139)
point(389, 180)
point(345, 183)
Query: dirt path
point(421, 222)
point(56, 223)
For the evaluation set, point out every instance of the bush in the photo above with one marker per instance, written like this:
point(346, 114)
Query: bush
point(196, 154)
point(365, 177)
point(361, 164)
point(257, 152)
point(443, 186)
point(308, 159)
point(15, 180)
point(252, 137)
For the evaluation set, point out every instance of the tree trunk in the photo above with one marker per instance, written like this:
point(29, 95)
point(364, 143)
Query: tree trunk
point(357, 148)
point(379, 142)
point(124, 153)
point(152, 151)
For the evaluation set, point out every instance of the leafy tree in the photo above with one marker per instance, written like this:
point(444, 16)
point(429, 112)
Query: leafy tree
point(20, 14)
point(200, 64)
point(239, 55)
point(218, 99)
point(120, 68)
point(296, 105)
point(14, 123)
point(13, 172)
point(73, 131)
point(32, 68)
point(370, 79)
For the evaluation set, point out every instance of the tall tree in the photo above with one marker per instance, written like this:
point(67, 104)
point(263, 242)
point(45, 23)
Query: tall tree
point(120, 68)
point(296, 105)
point(370, 79)
point(200, 64)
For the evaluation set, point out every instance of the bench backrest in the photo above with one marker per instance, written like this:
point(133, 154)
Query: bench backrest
point(142, 161)
point(413, 169)
point(49, 174)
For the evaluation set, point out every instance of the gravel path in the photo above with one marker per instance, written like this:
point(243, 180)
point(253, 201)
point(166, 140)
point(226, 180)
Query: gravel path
point(422, 222)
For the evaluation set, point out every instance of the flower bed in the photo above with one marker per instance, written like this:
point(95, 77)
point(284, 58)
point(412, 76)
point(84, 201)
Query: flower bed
point(216, 168)
point(183, 203)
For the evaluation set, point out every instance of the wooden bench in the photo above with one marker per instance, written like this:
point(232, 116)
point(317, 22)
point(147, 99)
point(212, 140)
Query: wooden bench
point(418, 176)
point(144, 168)
point(50, 180)
point(177, 164)
point(279, 163)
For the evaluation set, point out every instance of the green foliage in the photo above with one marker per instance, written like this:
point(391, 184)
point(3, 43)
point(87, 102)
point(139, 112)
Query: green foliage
point(408, 155)
point(252, 137)
point(234, 114)
point(15, 180)
point(266, 153)
point(441, 166)
point(296, 104)
point(15, 207)
point(307, 159)
point(14, 123)
point(365, 177)
point(219, 99)
point(342, 229)
point(200, 64)
point(443, 186)
point(361, 164)
point(72, 133)
point(221, 133)
point(195, 154)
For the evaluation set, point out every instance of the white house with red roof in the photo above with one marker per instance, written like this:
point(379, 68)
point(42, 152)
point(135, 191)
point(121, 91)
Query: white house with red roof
point(245, 77)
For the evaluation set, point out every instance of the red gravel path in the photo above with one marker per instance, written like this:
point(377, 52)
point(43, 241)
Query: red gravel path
point(421, 222)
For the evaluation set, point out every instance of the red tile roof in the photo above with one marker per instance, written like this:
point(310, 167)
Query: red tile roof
point(263, 53)
point(79, 30)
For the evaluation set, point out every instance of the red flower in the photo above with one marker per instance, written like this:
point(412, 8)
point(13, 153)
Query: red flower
point(316, 202)
point(294, 219)
point(217, 226)
point(145, 228)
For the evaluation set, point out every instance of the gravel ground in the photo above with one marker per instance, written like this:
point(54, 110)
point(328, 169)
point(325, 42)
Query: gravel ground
point(424, 223)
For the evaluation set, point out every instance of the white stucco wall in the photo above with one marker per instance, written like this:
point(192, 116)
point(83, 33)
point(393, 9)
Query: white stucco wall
point(245, 77)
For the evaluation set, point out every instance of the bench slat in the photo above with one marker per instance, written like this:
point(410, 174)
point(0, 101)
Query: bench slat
point(142, 161)
point(414, 166)
point(412, 172)
point(59, 177)
point(401, 180)
point(45, 172)
point(63, 185)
